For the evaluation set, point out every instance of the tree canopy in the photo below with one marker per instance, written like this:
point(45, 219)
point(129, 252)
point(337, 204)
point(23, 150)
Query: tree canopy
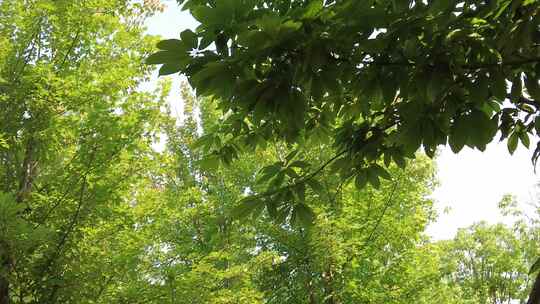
point(107, 197)
point(74, 136)
point(379, 78)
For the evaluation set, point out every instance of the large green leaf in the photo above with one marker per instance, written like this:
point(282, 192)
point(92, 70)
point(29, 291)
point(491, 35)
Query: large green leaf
point(513, 142)
point(189, 39)
point(170, 68)
point(459, 133)
point(170, 45)
point(171, 57)
point(304, 215)
point(246, 207)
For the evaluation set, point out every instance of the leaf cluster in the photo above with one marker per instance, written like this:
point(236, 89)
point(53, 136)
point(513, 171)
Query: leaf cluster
point(379, 78)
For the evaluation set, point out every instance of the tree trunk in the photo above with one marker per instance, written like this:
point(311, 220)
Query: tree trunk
point(4, 290)
point(328, 278)
point(4, 271)
point(28, 172)
point(534, 296)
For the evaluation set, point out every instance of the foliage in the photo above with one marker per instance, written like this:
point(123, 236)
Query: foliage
point(490, 263)
point(379, 78)
point(75, 134)
point(106, 198)
point(350, 252)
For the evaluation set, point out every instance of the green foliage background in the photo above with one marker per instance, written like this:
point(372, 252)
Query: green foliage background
point(91, 211)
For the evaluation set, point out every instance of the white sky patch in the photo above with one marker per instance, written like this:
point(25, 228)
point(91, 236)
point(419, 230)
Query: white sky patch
point(471, 183)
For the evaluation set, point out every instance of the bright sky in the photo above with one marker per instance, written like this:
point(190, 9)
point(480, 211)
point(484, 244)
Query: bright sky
point(471, 183)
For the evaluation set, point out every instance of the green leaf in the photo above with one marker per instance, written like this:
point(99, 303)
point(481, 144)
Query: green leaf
point(170, 68)
point(512, 142)
point(170, 45)
point(291, 155)
point(254, 40)
point(483, 132)
point(399, 160)
point(437, 83)
point(268, 172)
point(373, 46)
point(498, 85)
point(209, 162)
point(304, 215)
point(361, 180)
point(300, 192)
point(216, 79)
point(502, 8)
point(189, 39)
point(533, 87)
point(207, 15)
point(291, 173)
point(260, 111)
point(440, 6)
point(524, 137)
point(313, 8)
point(282, 212)
point(517, 88)
point(479, 90)
point(380, 171)
point(459, 133)
point(411, 137)
point(271, 208)
point(277, 181)
point(204, 142)
point(373, 178)
point(221, 44)
point(400, 5)
point(387, 158)
point(245, 208)
point(165, 57)
point(315, 186)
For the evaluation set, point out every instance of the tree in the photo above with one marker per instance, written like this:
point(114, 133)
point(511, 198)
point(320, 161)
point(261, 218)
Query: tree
point(492, 263)
point(356, 246)
point(75, 133)
point(380, 78)
point(91, 211)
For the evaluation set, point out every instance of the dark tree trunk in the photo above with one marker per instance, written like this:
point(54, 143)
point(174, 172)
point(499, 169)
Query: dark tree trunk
point(4, 290)
point(534, 296)
point(4, 283)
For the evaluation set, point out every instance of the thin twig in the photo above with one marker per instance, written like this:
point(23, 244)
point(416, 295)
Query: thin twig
point(302, 180)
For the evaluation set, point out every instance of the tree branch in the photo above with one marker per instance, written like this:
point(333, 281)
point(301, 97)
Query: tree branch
point(302, 180)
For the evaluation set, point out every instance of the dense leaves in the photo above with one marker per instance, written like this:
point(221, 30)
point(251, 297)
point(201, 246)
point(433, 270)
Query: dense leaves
point(353, 247)
point(75, 136)
point(490, 263)
point(105, 197)
point(380, 78)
